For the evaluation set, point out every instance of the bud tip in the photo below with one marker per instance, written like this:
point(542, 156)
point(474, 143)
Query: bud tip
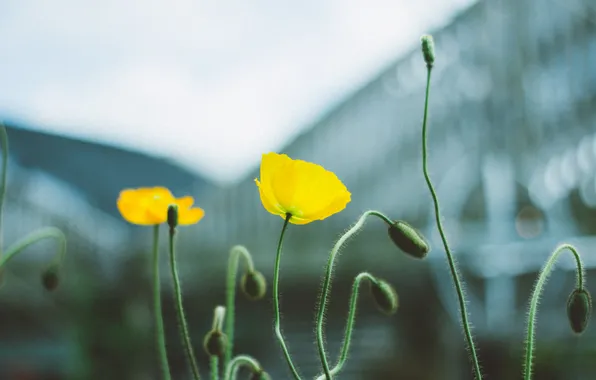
point(219, 316)
point(409, 239)
point(50, 278)
point(385, 296)
point(173, 215)
point(579, 310)
point(428, 49)
point(254, 285)
point(215, 343)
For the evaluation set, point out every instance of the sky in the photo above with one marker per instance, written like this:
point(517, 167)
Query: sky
point(209, 84)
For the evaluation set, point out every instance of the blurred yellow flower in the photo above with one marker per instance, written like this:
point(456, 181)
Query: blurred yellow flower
point(149, 206)
point(305, 190)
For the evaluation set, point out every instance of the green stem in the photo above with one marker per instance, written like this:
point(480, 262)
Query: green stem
point(234, 365)
point(32, 238)
point(235, 253)
point(350, 322)
point(160, 335)
point(542, 277)
point(278, 333)
point(4, 147)
point(454, 272)
point(327, 283)
point(182, 324)
point(214, 367)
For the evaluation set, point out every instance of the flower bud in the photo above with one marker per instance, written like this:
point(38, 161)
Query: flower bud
point(408, 239)
point(385, 296)
point(254, 285)
point(50, 278)
point(428, 50)
point(215, 343)
point(173, 216)
point(579, 310)
point(260, 375)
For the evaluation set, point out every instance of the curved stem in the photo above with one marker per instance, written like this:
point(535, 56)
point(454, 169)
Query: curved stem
point(4, 147)
point(235, 253)
point(182, 324)
point(542, 277)
point(159, 326)
point(350, 323)
point(214, 367)
point(32, 238)
point(454, 273)
point(327, 283)
point(235, 363)
point(278, 333)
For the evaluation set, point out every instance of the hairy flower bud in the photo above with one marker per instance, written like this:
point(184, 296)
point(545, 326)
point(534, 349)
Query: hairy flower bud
point(428, 50)
point(215, 343)
point(173, 216)
point(50, 278)
point(408, 239)
point(579, 310)
point(254, 285)
point(385, 296)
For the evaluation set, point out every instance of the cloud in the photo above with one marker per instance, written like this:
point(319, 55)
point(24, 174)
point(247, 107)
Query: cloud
point(210, 84)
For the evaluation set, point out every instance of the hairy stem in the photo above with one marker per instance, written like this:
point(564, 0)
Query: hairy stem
point(32, 238)
point(345, 348)
point(235, 253)
point(327, 284)
point(542, 277)
point(4, 147)
point(278, 333)
point(160, 335)
point(182, 324)
point(240, 360)
point(451, 261)
point(214, 367)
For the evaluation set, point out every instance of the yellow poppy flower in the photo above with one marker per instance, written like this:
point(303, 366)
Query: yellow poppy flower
point(305, 190)
point(149, 206)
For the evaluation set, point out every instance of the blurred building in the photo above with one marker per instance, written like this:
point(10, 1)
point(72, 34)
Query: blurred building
point(512, 143)
point(73, 185)
point(512, 152)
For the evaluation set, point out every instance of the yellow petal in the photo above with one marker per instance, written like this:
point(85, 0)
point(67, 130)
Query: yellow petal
point(186, 214)
point(190, 216)
point(271, 164)
point(156, 218)
point(152, 193)
point(131, 211)
point(337, 205)
point(185, 202)
point(158, 209)
point(307, 191)
point(283, 187)
point(298, 220)
point(128, 195)
point(136, 205)
point(314, 188)
point(269, 201)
